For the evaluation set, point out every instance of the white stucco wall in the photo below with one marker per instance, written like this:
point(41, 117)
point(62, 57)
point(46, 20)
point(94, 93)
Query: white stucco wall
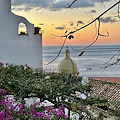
point(14, 48)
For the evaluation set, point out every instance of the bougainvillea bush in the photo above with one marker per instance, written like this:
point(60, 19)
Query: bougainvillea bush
point(12, 110)
point(23, 82)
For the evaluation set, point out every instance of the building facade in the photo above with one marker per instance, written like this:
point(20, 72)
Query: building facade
point(14, 47)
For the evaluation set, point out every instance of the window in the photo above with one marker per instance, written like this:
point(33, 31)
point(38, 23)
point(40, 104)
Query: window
point(22, 29)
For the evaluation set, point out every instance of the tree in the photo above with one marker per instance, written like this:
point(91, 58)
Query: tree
point(70, 35)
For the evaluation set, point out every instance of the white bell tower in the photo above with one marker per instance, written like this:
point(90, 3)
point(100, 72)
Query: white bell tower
point(5, 7)
point(18, 48)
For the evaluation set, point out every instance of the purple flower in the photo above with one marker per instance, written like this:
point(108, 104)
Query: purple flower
point(9, 117)
point(65, 116)
point(11, 106)
point(20, 113)
point(51, 107)
point(2, 114)
point(52, 111)
point(1, 64)
point(3, 102)
point(8, 111)
point(3, 91)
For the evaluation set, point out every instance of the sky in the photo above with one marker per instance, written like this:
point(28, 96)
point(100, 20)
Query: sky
point(54, 18)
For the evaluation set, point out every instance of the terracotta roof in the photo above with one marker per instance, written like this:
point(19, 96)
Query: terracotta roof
point(108, 79)
point(109, 90)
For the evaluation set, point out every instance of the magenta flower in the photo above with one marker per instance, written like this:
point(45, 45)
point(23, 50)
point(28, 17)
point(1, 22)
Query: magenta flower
point(10, 107)
point(65, 116)
point(52, 111)
point(11, 118)
point(20, 113)
point(3, 91)
point(3, 102)
point(1, 64)
point(2, 114)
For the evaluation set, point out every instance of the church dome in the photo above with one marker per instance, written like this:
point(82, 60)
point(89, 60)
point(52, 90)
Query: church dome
point(67, 65)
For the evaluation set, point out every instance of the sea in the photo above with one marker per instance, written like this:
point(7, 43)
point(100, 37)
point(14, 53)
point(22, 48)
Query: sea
point(90, 64)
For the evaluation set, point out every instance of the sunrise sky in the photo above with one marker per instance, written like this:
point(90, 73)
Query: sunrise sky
point(54, 18)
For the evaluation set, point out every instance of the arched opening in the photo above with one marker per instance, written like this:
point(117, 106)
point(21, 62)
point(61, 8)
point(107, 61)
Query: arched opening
point(22, 29)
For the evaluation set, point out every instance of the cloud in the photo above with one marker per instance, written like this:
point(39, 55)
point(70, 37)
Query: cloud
point(80, 22)
point(60, 28)
point(101, 1)
point(18, 9)
point(41, 24)
point(22, 8)
point(71, 24)
point(93, 11)
point(22, 26)
point(53, 5)
point(108, 20)
point(65, 3)
point(40, 3)
point(28, 8)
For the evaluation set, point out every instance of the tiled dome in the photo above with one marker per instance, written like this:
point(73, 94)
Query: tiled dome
point(67, 65)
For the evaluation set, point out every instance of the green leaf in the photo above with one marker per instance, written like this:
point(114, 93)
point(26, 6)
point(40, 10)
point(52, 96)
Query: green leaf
point(71, 37)
point(66, 31)
point(81, 53)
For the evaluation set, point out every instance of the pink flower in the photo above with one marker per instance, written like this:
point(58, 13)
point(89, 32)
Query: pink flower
point(65, 116)
point(1, 64)
point(3, 91)
point(8, 111)
point(52, 111)
point(11, 118)
point(20, 113)
point(2, 114)
point(3, 102)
